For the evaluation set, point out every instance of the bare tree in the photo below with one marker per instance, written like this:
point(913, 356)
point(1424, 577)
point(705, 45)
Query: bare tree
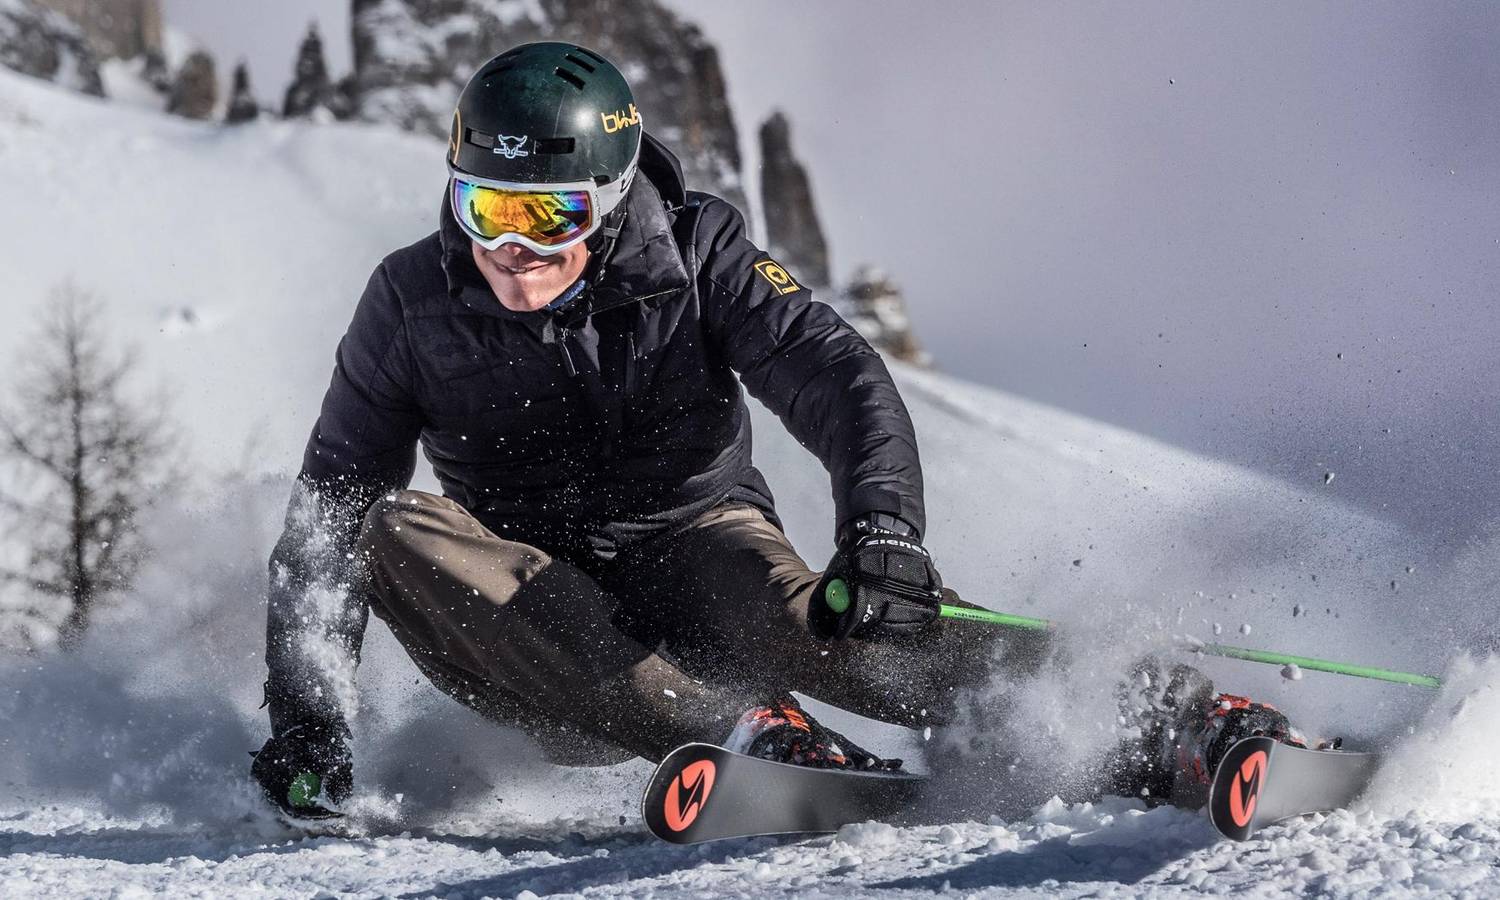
point(83, 459)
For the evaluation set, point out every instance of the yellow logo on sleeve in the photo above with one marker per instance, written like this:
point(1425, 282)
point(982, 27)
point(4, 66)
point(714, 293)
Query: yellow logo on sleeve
point(780, 278)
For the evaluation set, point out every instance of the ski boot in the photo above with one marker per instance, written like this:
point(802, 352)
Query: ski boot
point(1206, 732)
point(1181, 728)
point(781, 731)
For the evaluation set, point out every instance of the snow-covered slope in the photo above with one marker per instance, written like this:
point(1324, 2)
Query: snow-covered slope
point(232, 257)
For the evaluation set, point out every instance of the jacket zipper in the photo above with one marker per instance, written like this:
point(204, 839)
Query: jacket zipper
point(567, 355)
point(630, 358)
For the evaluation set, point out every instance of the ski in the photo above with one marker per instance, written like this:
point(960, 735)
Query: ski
point(701, 792)
point(1260, 781)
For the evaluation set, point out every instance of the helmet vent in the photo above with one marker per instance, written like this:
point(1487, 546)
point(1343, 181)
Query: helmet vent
point(582, 64)
point(496, 70)
point(590, 54)
point(554, 146)
point(480, 139)
point(570, 78)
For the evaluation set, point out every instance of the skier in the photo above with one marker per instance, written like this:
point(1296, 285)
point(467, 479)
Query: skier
point(605, 568)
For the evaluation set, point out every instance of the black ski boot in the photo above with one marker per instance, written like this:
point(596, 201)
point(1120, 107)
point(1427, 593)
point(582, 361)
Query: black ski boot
point(781, 731)
point(1178, 728)
point(1207, 731)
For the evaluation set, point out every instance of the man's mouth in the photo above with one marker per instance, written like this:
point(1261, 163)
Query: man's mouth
point(523, 268)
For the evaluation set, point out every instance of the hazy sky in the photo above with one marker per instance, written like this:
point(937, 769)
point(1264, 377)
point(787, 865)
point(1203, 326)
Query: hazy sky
point(264, 33)
point(1269, 232)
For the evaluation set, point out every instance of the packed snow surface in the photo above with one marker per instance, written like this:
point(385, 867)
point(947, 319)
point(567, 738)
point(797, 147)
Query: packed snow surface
point(232, 259)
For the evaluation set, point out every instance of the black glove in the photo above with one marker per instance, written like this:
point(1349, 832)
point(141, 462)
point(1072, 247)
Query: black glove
point(307, 770)
point(881, 582)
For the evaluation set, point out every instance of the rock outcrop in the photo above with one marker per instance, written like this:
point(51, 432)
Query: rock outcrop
point(115, 29)
point(242, 106)
point(311, 88)
point(42, 43)
point(411, 58)
point(876, 307)
point(195, 88)
point(793, 233)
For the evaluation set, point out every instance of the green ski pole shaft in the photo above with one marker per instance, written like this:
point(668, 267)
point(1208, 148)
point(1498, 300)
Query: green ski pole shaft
point(1260, 656)
point(838, 599)
point(994, 618)
point(1316, 665)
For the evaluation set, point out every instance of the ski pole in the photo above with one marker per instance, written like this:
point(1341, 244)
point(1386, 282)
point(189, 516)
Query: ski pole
point(1261, 656)
point(1315, 665)
point(838, 600)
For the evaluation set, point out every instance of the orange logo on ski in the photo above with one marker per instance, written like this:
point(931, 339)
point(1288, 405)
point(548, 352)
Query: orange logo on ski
point(1246, 788)
point(687, 793)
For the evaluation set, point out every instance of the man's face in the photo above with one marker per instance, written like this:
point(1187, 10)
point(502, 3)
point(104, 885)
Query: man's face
point(524, 281)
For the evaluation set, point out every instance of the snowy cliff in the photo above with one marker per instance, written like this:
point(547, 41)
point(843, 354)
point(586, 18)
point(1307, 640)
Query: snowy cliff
point(39, 42)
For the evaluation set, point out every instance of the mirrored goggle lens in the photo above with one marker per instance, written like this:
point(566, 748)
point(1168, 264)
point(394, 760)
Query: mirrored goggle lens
point(548, 217)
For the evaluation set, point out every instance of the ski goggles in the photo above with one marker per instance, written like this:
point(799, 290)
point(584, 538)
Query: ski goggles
point(544, 219)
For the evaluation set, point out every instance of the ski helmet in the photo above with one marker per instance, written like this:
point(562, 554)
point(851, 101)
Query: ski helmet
point(543, 117)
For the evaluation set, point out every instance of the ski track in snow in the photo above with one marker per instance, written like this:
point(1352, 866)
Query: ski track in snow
point(123, 769)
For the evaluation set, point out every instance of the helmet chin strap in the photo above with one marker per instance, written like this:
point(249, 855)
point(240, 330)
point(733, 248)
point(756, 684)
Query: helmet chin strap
point(601, 244)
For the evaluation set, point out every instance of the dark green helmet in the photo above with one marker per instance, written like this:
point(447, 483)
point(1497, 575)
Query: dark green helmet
point(548, 113)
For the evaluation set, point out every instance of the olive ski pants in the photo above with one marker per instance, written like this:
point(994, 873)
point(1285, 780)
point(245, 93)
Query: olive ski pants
point(667, 643)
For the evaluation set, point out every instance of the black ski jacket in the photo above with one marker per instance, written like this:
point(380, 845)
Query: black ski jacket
point(583, 431)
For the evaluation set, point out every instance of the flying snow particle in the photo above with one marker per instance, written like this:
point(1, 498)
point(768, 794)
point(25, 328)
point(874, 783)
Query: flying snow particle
point(1218, 629)
point(1245, 628)
point(1327, 477)
point(669, 692)
point(1291, 672)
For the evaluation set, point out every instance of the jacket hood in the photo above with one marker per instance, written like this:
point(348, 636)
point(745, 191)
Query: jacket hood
point(643, 264)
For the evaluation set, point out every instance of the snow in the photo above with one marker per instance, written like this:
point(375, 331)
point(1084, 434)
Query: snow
point(125, 83)
point(232, 258)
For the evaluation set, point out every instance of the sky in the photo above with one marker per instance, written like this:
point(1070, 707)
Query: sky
point(1267, 233)
point(265, 34)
